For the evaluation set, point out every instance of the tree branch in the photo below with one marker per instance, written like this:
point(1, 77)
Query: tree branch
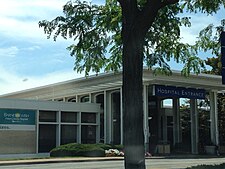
point(122, 3)
point(128, 5)
point(148, 14)
point(168, 2)
point(150, 11)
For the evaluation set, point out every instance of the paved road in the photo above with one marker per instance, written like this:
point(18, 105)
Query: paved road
point(181, 163)
point(150, 163)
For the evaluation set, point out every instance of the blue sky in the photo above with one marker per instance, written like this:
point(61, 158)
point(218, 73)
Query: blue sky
point(28, 59)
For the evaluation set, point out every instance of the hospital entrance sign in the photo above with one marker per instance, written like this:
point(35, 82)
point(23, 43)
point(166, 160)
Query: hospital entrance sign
point(180, 92)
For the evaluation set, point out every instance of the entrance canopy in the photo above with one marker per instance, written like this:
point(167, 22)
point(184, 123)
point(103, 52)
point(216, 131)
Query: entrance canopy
point(202, 81)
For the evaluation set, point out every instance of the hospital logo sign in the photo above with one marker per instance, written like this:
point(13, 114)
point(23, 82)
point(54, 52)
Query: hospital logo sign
point(17, 119)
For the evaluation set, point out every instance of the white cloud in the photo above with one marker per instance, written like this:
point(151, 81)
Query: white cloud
point(19, 19)
point(19, 23)
point(13, 28)
point(11, 82)
point(8, 52)
point(15, 8)
point(198, 22)
point(32, 48)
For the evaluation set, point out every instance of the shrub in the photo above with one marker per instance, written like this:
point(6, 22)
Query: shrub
point(104, 146)
point(74, 149)
point(118, 147)
point(84, 150)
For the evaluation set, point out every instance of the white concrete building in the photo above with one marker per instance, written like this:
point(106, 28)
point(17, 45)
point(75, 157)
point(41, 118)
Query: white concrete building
point(161, 124)
point(32, 127)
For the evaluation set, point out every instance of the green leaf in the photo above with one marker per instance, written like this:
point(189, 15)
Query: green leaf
point(96, 31)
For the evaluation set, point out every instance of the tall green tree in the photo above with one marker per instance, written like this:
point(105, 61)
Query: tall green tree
point(209, 41)
point(127, 34)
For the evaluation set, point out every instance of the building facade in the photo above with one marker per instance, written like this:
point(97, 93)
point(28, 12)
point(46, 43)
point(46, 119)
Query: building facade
point(171, 106)
point(32, 127)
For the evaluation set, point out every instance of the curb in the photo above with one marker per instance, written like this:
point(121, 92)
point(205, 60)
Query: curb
point(89, 159)
point(56, 160)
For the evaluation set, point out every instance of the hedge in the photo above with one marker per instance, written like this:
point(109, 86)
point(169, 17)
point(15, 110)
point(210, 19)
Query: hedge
point(82, 150)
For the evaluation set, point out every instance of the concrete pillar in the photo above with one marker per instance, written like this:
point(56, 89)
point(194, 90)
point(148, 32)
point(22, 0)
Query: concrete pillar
point(194, 126)
point(58, 128)
point(121, 116)
point(164, 125)
point(145, 108)
point(98, 128)
point(90, 98)
point(107, 118)
point(79, 128)
point(214, 118)
point(37, 131)
point(176, 121)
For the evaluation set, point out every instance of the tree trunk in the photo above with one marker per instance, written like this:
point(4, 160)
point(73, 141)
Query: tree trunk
point(135, 25)
point(132, 98)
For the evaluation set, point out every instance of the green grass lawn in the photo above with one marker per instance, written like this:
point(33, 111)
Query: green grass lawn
point(220, 166)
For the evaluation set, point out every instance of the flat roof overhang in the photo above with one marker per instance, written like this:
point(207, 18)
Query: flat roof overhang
point(111, 81)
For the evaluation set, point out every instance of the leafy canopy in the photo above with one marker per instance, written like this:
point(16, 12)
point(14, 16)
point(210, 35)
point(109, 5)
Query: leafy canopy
point(96, 30)
point(209, 40)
